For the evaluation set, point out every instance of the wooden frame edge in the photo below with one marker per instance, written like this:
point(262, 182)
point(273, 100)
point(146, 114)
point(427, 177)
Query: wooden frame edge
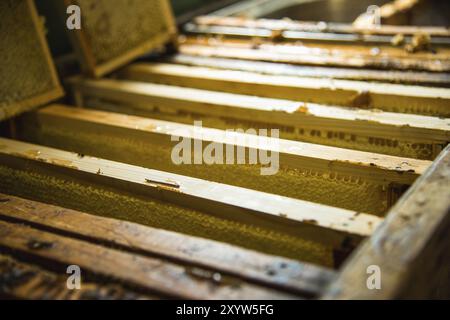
point(14, 109)
point(96, 70)
point(410, 251)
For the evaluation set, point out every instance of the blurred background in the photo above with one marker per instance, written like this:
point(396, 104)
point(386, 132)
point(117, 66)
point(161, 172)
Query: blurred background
point(426, 13)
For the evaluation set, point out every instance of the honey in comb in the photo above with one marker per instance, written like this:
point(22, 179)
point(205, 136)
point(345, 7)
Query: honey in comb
point(27, 75)
point(112, 30)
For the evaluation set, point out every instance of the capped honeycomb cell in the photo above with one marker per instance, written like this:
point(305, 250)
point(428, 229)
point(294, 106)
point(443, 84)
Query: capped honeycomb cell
point(116, 32)
point(28, 77)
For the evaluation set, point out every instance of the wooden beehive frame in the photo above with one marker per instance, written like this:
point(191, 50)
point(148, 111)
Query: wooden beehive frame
point(224, 108)
point(37, 283)
point(30, 103)
point(349, 56)
point(145, 273)
point(395, 97)
point(344, 73)
point(149, 145)
point(219, 199)
point(318, 27)
point(281, 36)
point(93, 68)
point(289, 275)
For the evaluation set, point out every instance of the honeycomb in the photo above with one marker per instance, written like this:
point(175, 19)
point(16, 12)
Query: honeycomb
point(330, 188)
point(113, 28)
point(343, 139)
point(108, 202)
point(340, 139)
point(26, 72)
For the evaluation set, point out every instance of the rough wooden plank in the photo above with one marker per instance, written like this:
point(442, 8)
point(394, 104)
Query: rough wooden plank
point(306, 171)
point(318, 26)
point(284, 69)
point(323, 55)
point(412, 248)
point(24, 86)
point(284, 274)
point(147, 274)
point(368, 130)
point(103, 45)
point(292, 36)
point(178, 189)
point(19, 280)
point(255, 220)
point(359, 94)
